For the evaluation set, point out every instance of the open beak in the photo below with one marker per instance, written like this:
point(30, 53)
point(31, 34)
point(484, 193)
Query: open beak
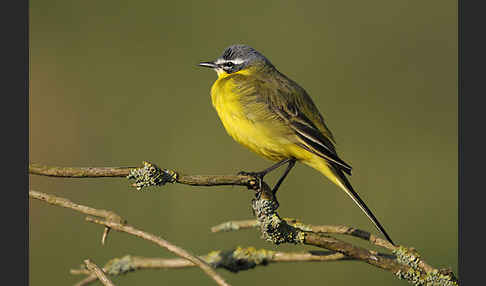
point(208, 65)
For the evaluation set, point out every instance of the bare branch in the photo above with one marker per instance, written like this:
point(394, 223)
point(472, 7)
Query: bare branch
point(325, 229)
point(341, 229)
point(163, 243)
point(65, 203)
point(86, 281)
point(144, 176)
point(352, 251)
point(118, 224)
point(234, 225)
point(407, 264)
point(235, 260)
point(78, 172)
point(93, 268)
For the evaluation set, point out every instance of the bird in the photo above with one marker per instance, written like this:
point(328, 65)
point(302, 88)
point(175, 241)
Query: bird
point(272, 115)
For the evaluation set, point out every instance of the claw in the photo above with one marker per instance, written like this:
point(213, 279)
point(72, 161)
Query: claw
point(252, 174)
point(257, 175)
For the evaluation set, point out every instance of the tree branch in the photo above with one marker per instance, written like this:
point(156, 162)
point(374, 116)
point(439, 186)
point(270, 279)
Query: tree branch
point(406, 263)
point(78, 172)
point(119, 225)
point(234, 260)
point(65, 203)
point(94, 269)
point(324, 229)
point(144, 176)
point(163, 243)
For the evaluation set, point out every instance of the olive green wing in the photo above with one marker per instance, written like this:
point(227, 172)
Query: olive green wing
point(311, 137)
point(290, 103)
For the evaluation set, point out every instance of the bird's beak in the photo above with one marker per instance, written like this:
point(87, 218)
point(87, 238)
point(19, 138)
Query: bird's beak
point(208, 65)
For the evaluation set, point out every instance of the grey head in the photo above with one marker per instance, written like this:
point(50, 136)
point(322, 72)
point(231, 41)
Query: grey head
point(236, 58)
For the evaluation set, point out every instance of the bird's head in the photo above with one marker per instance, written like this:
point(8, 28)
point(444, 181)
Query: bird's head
point(237, 58)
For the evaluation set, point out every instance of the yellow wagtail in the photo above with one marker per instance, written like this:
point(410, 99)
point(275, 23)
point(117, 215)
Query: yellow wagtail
point(273, 116)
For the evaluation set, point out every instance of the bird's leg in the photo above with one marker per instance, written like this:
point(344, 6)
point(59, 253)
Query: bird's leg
point(261, 174)
point(284, 175)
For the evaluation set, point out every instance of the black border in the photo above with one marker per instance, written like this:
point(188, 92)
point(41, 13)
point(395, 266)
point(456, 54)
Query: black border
point(14, 20)
point(471, 62)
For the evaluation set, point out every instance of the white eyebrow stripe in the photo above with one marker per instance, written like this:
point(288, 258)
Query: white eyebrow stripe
point(236, 61)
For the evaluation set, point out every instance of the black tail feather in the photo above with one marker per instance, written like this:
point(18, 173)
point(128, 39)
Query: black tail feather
point(352, 193)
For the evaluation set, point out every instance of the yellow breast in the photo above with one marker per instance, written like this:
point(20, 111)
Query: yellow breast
point(259, 136)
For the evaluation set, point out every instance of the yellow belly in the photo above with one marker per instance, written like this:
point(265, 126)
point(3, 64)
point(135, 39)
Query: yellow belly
point(257, 137)
point(260, 136)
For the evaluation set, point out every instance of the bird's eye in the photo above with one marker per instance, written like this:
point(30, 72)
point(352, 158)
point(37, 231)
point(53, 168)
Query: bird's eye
point(229, 64)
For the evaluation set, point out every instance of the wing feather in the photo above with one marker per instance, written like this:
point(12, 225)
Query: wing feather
point(311, 137)
point(294, 107)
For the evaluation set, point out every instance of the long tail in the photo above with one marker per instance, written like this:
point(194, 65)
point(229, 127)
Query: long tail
point(346, 186)
point(334, 173)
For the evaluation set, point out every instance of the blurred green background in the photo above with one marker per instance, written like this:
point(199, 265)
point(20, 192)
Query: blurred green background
point(115, 82)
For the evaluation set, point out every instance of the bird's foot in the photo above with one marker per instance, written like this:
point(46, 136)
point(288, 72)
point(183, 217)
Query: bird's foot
point(258, 177)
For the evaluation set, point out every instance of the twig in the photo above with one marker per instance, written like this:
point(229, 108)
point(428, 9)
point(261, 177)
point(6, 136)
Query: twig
point(353, 251)
point(118, 224)
point(78, 172)
point(235, 260)
point(86, 281)
point(93, 268)
point(146, 175)
point(65, 203)
point(234, 225)
point(163, 243)
point(329, 229)
point(341, 229)
point(407, 265)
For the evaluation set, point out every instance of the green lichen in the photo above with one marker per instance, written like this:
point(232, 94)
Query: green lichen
point(230, 226)
point(213, 258)
point(239, 259)
point(407, 256)
point(416, 275)
point(252, 254)
point(302, 226)
point(273, 228)
point(119, 266)
point(436, 278)
point(412, 275)
point(151, 175)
